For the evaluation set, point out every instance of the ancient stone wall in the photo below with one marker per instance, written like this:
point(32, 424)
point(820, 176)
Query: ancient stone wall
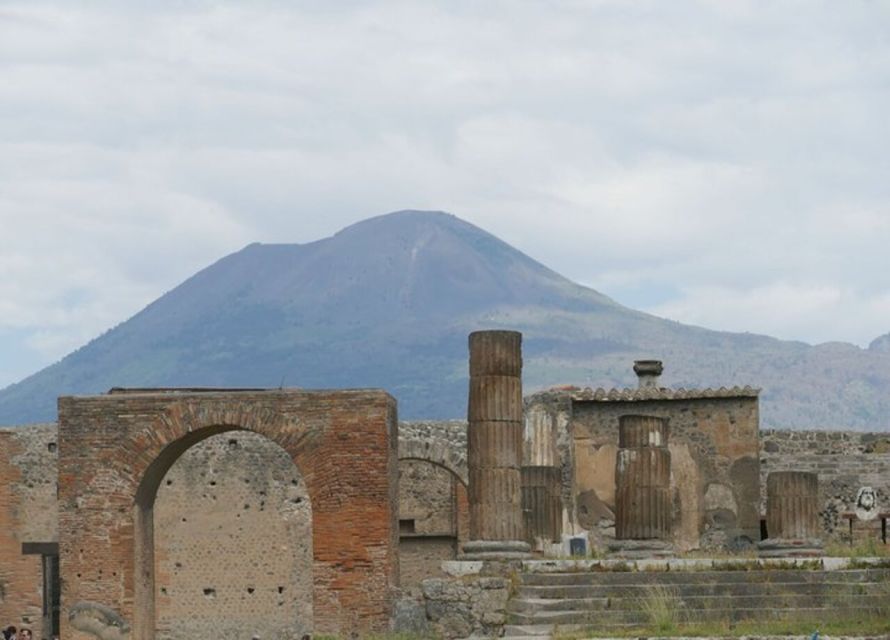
point(714, 452)
point(28, 513)
point(444, 443)
point(464, 606)
point(845, 462)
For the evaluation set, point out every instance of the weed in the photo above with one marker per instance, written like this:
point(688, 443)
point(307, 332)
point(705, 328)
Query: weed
point(660, 604)
point(870, 548)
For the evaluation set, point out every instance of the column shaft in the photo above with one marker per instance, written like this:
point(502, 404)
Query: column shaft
point(494, 435)
point(643, 503)
point(792, 505)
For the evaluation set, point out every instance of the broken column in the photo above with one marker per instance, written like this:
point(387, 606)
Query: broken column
point(643, 506)
point(541, 481)
point(542, 505)
point(792, 515)
point(494, 445)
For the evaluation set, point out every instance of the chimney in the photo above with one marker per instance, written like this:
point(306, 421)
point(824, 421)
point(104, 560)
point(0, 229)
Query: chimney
point(648, 372)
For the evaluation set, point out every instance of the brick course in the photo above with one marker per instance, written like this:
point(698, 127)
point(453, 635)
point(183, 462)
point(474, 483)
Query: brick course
point(344, 444)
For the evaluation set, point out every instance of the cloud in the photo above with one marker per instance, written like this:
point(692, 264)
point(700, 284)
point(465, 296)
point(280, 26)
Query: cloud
point(669, 154)
point(776, 309)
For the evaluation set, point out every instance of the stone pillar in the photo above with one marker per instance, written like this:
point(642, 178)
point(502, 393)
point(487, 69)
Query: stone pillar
point(542, 504)
point(494, 445)
point(643, 506)
point(792, 514)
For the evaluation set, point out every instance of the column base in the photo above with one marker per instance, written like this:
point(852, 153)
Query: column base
point(789, 548)
point(496, 550)
point(641, 549)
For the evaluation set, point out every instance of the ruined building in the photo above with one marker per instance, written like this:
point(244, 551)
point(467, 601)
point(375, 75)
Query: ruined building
point(296, 512)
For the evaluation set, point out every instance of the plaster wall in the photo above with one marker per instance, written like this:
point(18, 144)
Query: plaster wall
point(714, 448)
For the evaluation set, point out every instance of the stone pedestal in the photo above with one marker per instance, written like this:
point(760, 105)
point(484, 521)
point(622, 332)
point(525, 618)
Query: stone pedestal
point(792, 515)
point(643, 485)
point(494, 445)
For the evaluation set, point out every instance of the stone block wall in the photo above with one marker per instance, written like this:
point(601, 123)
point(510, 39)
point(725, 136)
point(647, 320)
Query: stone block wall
point(845, 461)
point(28, 513)
point(471, 605)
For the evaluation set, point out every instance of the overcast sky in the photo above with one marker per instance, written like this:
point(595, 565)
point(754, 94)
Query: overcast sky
point(718, 163)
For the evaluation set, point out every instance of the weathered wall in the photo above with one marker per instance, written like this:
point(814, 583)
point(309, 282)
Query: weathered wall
point(426, 499)
point(28, 513)
point(220, 546)
point(344, 443)
point(845, 461)
point(472, 605)
point(233, 539)
point(714, 458)
point(443, 443)
point(433, 519)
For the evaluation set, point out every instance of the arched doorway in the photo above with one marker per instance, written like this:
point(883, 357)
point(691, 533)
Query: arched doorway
point(115, 450)
point(433, 518)
point(233, 543)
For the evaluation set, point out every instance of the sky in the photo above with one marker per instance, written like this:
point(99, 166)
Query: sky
point(718, 163)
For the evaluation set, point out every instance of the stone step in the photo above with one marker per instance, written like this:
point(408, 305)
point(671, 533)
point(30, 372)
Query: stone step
point(698, 603)
point(530, 605)
point(531, 630)
point(613, 578)
point(576, 592)
point(624, 618)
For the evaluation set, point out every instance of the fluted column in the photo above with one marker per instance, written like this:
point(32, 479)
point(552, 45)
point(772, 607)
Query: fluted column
point(792, 514)
point(542, 504)
point(541, 480)
point(643, 479)
point(494, 443)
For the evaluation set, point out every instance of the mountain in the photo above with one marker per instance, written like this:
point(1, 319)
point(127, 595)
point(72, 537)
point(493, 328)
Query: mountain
point(388, 302)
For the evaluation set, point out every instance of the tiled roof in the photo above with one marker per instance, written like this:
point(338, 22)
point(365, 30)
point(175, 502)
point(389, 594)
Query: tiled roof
point(653, 393)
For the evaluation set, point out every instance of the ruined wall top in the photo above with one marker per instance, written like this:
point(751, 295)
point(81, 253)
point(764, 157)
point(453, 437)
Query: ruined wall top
point(640, 394)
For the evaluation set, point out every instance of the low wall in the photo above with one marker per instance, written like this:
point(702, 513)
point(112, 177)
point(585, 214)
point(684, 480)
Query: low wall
point(845, 461)
point(464, 606)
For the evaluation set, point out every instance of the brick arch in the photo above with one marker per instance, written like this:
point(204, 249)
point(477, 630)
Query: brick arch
point(443, 443)
point(437, 454)
point(116, 449)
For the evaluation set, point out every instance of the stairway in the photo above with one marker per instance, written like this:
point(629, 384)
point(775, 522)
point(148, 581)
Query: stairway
point(600, 601)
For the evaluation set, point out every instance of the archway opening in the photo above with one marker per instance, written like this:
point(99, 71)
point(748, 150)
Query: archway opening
point(433, 518)
point(226, 541)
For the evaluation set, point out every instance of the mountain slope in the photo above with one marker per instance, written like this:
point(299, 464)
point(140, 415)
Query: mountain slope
point(388, 302)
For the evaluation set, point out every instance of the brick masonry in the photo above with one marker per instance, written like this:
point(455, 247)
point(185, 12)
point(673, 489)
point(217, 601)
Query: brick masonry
point(344, 443)
point(233, 533)
point(28, 513)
